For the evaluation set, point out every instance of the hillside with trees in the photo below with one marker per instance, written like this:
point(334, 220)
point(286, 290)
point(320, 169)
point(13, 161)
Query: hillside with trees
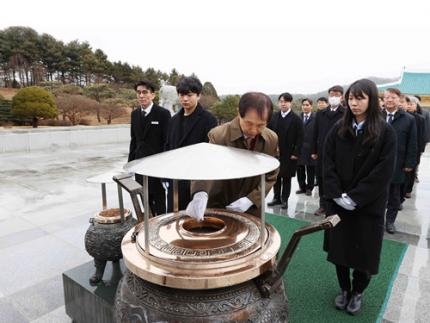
point(28, 58)
point(88, 88)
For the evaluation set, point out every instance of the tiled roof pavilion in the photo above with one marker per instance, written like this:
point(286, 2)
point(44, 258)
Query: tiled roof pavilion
point(411, 82)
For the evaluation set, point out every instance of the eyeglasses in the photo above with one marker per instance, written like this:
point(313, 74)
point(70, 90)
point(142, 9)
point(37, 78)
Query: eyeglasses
point(144, 92)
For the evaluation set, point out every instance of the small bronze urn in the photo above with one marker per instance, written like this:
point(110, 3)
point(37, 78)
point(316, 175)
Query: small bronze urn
point(107, 229)
point(103, 238)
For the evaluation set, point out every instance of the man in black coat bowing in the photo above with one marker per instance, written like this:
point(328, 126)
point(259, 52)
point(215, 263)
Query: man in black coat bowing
point(149, 124)
point(289, 128)
point(189, 126)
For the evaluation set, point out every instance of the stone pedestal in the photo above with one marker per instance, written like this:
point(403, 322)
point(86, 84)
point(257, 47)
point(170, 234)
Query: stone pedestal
point(91, 304)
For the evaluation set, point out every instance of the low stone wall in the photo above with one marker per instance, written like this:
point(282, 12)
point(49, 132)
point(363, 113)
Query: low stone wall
point(61, 137)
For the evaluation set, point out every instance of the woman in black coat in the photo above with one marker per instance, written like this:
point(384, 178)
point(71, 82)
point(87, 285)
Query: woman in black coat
point(359, 158)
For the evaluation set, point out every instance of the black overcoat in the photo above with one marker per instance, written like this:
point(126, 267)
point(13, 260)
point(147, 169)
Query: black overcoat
point(421, 140)
point(290, 139)
point(324, 121)
point(364, 172)
point(406, 130)
point(198, 126)
point(305, 154)
point(426, 115)
point(149, 134)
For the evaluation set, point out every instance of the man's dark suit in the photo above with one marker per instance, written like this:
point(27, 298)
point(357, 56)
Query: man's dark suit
point(185, 131)
point(305, 164)
point(324, 121)
point(148, 137)
point(406, 130)
point(290, 139)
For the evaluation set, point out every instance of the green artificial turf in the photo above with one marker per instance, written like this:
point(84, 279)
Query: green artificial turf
point(311, 283)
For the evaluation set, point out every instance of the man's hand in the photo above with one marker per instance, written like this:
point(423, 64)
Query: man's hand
point(407, 169)
point(294, 157)
point(197, 207)
point(314, 156)
point(240, 205)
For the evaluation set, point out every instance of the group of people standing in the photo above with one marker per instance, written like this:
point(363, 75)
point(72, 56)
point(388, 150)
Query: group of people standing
point(302, 138)
point(153, 130)
point(363, 156)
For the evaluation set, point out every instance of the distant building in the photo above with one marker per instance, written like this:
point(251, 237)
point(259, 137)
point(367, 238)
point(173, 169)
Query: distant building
point(413, 82)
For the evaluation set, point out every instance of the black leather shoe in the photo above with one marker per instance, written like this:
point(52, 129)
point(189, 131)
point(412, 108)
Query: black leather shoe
point(284, 205)
point(308, 192)
point(300, 192)
point(354, 304)
point(342, 300)
point(391, 229)
point(274, 202)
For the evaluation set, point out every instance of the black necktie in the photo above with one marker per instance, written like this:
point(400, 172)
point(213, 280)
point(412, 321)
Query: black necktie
point(356, 129)
point(142, 113)
point(390, 117)
point(305, 119)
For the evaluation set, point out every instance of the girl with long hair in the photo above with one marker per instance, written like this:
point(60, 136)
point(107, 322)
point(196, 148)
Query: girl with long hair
point(358, 165)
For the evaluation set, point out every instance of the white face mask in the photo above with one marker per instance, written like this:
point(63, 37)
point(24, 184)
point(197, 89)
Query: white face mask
point(334, 101)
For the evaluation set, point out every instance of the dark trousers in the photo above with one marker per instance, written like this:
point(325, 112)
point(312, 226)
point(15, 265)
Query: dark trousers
point(306, 177)
point(360, 279)
point(156, 194)
point(282, 188)
point(410, 180)
point(393, 203)
point(403, 190)
point(184, 195)
point(321, 192)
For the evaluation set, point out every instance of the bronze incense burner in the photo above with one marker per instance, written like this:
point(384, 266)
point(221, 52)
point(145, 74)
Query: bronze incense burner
point(222, 269)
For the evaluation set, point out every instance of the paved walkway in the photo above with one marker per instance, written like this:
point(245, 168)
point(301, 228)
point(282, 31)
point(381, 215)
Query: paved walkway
point(45, 204)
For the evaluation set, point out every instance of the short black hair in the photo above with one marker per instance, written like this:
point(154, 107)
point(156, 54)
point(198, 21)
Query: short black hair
point(286, 96)
point(258, 101)
point(336, 88)
point(189, 84)
point(418, 97)
point(323, 98)
point(394, 91)
point(307, 99)
point(148, 84)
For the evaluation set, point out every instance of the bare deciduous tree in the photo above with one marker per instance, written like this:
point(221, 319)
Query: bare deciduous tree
point(111, 109)
point(75, 107)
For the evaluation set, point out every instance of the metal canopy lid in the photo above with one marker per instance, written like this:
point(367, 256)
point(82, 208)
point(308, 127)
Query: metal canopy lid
point(105, 177)
point(204, 161)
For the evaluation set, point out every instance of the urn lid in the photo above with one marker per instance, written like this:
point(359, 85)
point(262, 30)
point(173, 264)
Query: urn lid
point(111, 215)
point(222, 250)
point(204, 161)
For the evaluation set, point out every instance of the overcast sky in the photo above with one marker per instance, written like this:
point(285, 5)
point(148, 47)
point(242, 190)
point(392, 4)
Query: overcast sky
point(243, 45)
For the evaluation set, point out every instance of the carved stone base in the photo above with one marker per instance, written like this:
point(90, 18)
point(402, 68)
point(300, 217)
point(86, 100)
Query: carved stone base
point(140, 301)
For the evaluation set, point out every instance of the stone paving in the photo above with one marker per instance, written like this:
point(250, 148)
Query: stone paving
point(45, 205)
